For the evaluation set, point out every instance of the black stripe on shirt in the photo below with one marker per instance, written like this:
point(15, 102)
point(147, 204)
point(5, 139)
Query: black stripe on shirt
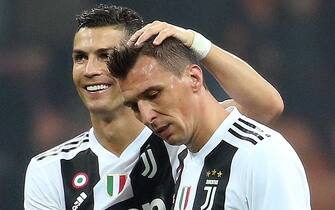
point(242, 137)
point(247, 123)
point(145, 189)
point(248, 131)
point(181, 157)
point(85, 162)
point(218, 164)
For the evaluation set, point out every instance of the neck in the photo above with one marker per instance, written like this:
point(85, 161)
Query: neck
point(117, 130)
point(210, 115)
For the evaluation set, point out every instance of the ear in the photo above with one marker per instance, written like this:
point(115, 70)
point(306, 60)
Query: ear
point(195, 74)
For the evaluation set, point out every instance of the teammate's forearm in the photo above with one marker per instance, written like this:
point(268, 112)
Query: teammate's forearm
point(256, 97)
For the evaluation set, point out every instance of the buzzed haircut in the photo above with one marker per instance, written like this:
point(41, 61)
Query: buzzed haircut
point(110, 15)
point(171, 54)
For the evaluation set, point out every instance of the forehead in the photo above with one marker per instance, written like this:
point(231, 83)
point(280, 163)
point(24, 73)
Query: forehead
point(98, 37)
point(146, 73)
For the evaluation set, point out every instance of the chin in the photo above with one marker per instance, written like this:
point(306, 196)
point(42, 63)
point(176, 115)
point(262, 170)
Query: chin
point(173, 141)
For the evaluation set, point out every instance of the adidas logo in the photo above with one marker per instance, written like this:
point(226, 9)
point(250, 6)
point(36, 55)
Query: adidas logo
point(79, 201)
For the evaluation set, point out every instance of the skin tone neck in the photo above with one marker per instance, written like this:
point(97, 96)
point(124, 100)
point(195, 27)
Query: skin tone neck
point(117, 129)
point(209, 115)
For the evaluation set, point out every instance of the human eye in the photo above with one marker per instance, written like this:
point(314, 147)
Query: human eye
point(78, 57)
point(132, 105)
point(152, 94)
point(103, 56)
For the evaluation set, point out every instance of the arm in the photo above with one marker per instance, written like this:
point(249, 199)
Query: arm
point(251, 93)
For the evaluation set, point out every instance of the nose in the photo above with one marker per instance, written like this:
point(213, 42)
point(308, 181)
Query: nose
point(94, 67)
point(146, 113)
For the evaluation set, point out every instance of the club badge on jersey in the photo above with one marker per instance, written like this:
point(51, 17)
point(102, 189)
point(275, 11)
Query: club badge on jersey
point(150, 165)
point(210, 187)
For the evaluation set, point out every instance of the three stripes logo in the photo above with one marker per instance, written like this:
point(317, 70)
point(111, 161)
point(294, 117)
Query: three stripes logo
point(247, 131)
point(115, 183)
point(150, 165)
point(80, 199)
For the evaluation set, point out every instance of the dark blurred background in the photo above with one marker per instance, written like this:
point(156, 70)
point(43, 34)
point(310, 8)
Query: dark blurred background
point(289, 42)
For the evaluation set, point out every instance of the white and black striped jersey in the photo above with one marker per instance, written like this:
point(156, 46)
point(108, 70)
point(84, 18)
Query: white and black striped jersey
point(81, 174)
point(244, 166)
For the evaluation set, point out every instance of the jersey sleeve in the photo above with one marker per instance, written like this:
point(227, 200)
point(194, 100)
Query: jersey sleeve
point(276, 179)
point(40, 192)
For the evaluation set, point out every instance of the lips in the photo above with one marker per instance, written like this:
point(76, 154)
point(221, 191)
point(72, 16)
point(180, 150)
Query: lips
point(163, 131)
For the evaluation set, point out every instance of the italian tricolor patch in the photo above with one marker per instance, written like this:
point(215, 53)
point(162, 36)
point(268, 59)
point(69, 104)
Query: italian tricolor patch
point(185, 193)
point(115, 183)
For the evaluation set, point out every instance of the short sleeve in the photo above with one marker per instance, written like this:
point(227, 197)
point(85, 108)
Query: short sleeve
point(40, 192)
point(276, 178)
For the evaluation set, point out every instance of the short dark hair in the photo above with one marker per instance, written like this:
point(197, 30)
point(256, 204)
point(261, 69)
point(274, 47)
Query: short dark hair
point(172, 54)
point(110, 15)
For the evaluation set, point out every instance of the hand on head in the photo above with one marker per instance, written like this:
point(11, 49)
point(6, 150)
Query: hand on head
point(163, 30)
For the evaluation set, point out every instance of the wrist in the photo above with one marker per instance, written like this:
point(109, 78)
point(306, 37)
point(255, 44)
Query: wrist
point(200, 45)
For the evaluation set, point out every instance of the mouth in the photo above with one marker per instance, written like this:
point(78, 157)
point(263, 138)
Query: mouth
point(163, 131)
point(97, 87)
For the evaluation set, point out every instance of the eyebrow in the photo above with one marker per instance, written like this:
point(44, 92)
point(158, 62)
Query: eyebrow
point(156, 87)
point(142, 94)
point(75, 51)
point(100, 50)
point(104, 50)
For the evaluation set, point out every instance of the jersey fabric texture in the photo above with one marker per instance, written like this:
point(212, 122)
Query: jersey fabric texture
point(81, 174)
point(244, 166)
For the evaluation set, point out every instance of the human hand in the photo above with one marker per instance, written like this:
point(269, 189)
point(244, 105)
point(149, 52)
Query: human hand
point(163, 30)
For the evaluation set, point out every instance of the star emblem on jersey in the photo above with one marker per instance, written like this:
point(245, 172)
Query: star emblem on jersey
point(214, 173)
point(80, 180)
point(115, 183)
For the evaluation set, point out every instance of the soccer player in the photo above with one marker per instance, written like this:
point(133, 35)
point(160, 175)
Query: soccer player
point(232, 162)
point(119, 163)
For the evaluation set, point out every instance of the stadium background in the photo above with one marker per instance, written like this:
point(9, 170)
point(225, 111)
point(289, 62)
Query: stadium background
point(290, 42)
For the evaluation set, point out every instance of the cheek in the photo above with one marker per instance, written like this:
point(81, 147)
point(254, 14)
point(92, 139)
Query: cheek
point(76, 75)
point(75, 78)
point(185, 110)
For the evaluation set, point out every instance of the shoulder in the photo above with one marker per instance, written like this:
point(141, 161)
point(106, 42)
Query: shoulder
point(66, 150)
point(258, 143)
point(269, 152)
point(248, 134)
point(43, 181)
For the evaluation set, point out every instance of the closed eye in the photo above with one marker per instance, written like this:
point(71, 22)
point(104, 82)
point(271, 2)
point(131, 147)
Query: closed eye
point(152, 94)
point(132, 105)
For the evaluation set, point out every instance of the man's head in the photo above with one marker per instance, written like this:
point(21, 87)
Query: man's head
point(110, 15)
point(100, 29)
point(163, 85)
